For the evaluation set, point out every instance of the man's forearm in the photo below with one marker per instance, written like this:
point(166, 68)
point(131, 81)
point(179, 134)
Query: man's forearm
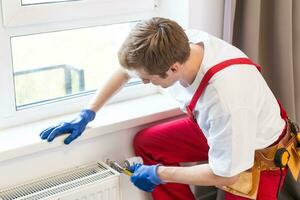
point(195, 175)
point(115, 83)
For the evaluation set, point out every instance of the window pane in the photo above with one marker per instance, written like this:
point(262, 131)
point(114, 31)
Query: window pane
point(60, 64)
point(30, 2)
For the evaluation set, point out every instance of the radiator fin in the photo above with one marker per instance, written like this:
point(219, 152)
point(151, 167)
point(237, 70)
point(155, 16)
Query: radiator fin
point(56, 184)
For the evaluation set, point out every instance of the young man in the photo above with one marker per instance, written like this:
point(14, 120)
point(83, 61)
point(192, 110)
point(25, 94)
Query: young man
point(232, 113)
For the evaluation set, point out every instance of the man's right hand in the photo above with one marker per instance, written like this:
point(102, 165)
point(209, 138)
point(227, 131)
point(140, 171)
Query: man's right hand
point(74, 127)
point(145, 177)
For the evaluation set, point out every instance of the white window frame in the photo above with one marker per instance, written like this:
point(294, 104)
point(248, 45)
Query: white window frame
point(13, 26)
point(15, 14)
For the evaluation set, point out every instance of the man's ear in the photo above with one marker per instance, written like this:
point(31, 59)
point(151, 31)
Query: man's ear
point(175, 67)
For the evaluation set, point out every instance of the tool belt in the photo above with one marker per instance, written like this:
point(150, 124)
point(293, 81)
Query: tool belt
point(248, 182)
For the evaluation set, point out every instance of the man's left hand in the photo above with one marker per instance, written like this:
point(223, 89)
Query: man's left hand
point(145, 177)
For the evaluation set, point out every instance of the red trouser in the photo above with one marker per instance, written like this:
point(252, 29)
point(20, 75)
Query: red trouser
point(182, 141)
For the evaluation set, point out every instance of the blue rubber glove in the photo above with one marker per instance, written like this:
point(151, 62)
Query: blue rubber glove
point(74, 127)
point(145, 176)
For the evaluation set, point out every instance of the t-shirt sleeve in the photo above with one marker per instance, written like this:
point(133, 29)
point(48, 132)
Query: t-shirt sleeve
point(232, 141)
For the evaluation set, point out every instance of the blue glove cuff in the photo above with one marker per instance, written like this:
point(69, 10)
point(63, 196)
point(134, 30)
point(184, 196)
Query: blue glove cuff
point(88, 115)
point(156, 180)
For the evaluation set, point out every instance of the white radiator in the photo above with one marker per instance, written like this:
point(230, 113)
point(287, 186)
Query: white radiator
point(95, 181)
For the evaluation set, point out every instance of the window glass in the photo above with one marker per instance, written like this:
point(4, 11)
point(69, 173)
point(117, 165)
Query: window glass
point(56, 65)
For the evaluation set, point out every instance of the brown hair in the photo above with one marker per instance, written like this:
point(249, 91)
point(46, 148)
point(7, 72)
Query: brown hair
point(154, 45)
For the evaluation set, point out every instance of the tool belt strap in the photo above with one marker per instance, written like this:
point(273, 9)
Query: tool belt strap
point(265, 157)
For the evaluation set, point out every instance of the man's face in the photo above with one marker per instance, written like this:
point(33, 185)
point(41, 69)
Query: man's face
point(156, 79)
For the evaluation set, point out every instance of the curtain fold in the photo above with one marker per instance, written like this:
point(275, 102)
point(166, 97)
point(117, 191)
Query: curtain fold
point(296, 54)
point(268, 31)
point(276, 50)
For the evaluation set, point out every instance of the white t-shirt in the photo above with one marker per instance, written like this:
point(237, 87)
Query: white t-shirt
point(238, 113)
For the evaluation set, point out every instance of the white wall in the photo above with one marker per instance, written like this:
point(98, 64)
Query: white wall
point(206, 15)
point(113, 145)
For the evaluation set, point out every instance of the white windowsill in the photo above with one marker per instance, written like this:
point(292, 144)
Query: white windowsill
point(25, 140)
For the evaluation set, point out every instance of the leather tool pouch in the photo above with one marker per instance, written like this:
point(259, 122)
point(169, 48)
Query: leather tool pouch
point(294, 161)
point(247, 185)
point(293, 147)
